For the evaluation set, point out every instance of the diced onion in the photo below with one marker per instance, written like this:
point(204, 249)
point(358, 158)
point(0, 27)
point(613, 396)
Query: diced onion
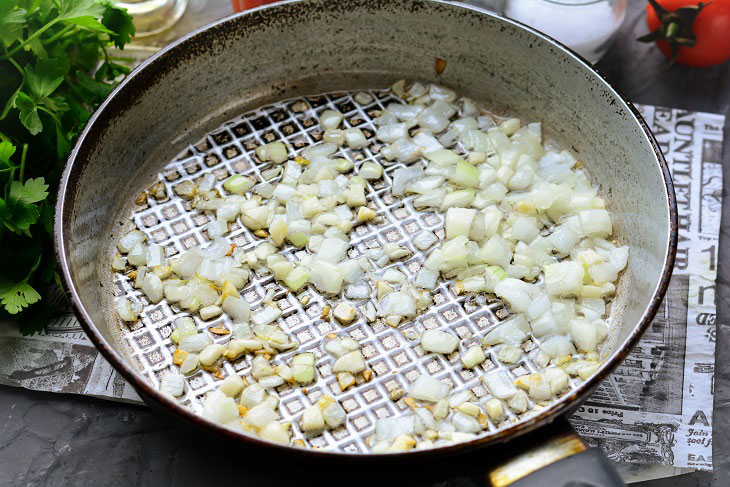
point(424, 240)
point(330, 119)
point(439, 341)
point(563, 278)
point(427, 388)
point(397, 303)
point(390, 428)
point(557, 346)
point(499, 384)
point(519, 221)
point(219, 408)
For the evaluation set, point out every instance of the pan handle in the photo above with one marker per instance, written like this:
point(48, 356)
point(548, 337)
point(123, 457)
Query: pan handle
point(555, 456)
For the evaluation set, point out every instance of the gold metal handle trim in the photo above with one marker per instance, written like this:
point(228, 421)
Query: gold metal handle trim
point(536, 456)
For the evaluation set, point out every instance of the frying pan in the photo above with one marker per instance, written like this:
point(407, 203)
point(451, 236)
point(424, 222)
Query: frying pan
point(196, 107)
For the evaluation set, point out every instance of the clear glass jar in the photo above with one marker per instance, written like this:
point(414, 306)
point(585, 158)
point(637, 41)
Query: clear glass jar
point(153, 16)
point(586, 26)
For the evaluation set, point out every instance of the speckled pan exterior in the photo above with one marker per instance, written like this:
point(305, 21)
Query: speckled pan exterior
point(316, 46)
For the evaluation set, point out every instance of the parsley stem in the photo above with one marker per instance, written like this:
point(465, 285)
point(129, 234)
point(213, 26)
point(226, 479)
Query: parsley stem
point(73, 88)
point(22, 161)
point(53, 115)
point(59, 34)
point(32, 36)
point(15, 63)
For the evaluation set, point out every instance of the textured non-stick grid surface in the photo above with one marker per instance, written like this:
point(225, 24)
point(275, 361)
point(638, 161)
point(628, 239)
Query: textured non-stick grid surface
point(395, 360)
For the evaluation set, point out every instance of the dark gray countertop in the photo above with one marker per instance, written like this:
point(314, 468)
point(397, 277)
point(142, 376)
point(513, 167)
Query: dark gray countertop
point(48, 439)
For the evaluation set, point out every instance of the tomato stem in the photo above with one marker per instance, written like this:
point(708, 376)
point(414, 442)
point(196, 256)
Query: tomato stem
point(672, 29)
point(676, 26)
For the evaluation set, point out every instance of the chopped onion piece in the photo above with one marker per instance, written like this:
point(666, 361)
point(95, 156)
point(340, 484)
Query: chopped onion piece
point(425, 239)
point(404, 112)
point(312, 419)
point(355, 138)
point(190, 364)
point(128, 241)
point(219, 408)
point(332, 250)
point(509, 354)
point(439, 341)
point(275, 432)
point(125, 310)
point(426, 279)
point(363, 98)
point(371, 170)
point(266, 315)
point(138, 255)
point(209, 312)
point(465, 174)
point(297, 278)
point(238, 184)
point(392, 132)
point(427, 388)
point(344, 313)
point(499, 384)
point(332, 412)
point(237, 308)
point(397, 303)
point(260, 415)
point(330, 119)
point(466, 423)
point(352, 362)
point(595, 223)
point(473, 357)
point(564, 278)
point(557, 346)
point(152, 287)
point(511, 331)
point(275, 152)
point(211, 353)
point(303, 368)
point(320, 150)
point(584, 335)
point(459, 221)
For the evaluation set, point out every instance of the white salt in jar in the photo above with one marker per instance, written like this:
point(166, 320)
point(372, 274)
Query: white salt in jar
point(586, 26)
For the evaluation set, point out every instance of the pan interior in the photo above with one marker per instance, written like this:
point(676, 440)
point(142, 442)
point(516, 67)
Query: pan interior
point(393, 354)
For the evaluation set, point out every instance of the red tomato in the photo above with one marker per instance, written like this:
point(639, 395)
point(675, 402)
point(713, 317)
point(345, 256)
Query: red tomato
point(711, 28)
point(239, 5)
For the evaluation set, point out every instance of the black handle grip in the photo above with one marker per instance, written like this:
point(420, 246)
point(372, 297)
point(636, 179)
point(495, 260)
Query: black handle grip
point(589, 468)
point(553, 455)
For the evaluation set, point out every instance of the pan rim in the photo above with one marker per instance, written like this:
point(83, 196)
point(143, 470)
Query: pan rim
point(562, 406)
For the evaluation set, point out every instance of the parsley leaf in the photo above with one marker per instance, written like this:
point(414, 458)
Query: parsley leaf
point(6, 152)
point(15, 296)
point(10, 103)
point(54, 71)
point(71, 9)
point(120, 22)
point(18, 211)
point(89, 22)
point(19, 217)
point(11, 21)
point(44, 78)
point(33, 191)
point(10, 14)
point(28, 113)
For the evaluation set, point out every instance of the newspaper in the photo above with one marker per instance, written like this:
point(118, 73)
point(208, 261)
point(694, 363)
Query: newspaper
point(656, 408)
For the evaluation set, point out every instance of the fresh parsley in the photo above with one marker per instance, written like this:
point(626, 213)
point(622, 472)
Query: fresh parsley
point(55, 69)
